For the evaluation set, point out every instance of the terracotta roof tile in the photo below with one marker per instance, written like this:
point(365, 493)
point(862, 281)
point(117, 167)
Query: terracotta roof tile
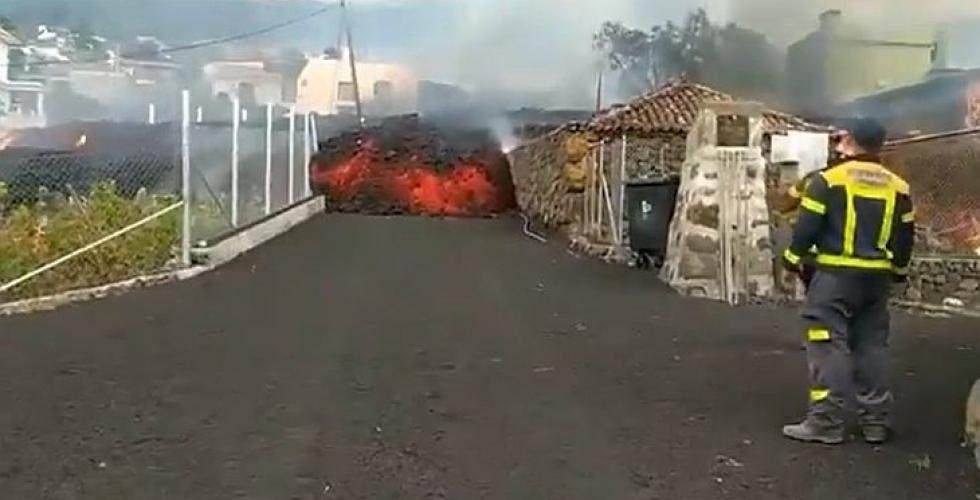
point(674, 108)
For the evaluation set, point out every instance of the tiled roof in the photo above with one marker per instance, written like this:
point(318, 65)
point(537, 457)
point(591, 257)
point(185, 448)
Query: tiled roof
point(675, 107)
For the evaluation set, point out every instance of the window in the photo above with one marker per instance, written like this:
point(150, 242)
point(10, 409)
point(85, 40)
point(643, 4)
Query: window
point(345, 91)
point(383, 89)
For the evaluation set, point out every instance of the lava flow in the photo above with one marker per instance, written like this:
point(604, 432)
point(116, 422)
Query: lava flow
point(407, 168)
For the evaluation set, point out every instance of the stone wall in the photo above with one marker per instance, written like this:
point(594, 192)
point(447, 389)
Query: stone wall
point(720, 246)
point(655, 158)
point(944, 281)
point(540, 171)
point(543, 190)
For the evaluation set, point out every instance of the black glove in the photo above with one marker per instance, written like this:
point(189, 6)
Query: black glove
point(806, 274)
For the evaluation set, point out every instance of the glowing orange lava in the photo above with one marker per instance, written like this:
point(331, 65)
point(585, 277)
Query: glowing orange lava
point(411, 186)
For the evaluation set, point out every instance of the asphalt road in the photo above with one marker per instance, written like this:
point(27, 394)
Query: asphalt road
point(376, 358)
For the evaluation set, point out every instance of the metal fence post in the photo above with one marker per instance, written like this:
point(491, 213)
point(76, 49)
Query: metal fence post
point(292, 153)
point(306, 151)
point(268, 159)
point(185, 168)
point(316, 148)
point(235, 126)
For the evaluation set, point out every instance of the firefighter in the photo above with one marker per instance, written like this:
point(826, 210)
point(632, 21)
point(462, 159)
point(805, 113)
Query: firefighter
point(857, 221)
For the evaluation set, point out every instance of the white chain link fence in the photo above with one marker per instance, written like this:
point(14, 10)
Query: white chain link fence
point(77, 218)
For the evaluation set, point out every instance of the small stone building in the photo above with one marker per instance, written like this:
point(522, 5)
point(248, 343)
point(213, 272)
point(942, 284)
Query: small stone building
point(571, 180)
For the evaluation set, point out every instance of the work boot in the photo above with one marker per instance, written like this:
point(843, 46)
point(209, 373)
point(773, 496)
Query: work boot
point(875, 433)
point(808, 432)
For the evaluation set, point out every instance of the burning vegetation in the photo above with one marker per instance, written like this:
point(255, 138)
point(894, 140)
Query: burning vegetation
point(405, 166)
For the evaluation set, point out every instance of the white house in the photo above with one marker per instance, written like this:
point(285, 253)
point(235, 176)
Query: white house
point(238, 78)
point(21, 102)
point(326, 86)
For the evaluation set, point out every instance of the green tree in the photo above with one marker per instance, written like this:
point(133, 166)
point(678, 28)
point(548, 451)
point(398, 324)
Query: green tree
point(730, 58)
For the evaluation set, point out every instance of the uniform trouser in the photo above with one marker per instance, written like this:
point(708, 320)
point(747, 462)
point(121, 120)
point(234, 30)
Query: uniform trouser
point(847, 338)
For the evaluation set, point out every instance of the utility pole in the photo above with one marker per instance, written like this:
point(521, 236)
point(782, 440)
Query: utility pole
point(598, 92)
point(345, 21)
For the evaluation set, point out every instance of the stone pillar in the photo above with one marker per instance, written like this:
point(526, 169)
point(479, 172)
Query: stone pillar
point(720, 245)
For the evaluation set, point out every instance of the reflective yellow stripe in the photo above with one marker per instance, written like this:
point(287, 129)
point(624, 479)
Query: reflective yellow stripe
point(813, 206)
point(791, 257)
point(818, 335)
point(850, 222)
point(901, 271)
point(909, 217)
point(817, 395)
point(886, 225)
point(841, 261)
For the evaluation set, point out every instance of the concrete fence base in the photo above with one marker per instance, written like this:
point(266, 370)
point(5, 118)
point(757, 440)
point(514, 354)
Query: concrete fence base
point(240, 242)
point(208, 257)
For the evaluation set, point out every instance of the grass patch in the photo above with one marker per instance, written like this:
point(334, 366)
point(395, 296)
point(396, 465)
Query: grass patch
point(36, 234)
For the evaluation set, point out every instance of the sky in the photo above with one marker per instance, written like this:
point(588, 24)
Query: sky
point(539, 47)
point(544, 44)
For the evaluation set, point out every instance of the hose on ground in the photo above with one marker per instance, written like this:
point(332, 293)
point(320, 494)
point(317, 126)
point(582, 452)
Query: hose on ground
point(528, 232)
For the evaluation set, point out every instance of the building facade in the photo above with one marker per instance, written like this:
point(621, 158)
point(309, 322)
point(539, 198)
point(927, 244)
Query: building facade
point(21, 102)
point(837, 63)
point(247, 80)
point(326, 86)
point(944, 101)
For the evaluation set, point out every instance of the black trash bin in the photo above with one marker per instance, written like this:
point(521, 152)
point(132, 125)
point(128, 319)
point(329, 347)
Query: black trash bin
point(649, 209)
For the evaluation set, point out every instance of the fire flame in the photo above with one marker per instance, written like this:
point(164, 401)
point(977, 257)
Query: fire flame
point(411, 186)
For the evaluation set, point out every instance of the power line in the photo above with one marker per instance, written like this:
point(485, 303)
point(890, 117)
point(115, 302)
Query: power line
point(195, 45)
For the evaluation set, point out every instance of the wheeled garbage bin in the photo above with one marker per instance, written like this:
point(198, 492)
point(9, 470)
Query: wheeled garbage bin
point(650, 208)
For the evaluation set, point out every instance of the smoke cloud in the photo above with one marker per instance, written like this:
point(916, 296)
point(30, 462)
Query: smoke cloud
point(788, 21)
point(527, 52)
point(512, 52)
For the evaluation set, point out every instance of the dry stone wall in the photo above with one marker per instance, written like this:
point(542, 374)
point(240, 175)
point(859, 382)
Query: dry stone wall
point(543, 189)
point(944, 281)
point(655, 158)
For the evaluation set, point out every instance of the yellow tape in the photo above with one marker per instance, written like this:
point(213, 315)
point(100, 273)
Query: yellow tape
point(818, 335)
point(813, 205)
point(909, 217)
point(854, 262)
point(818, 395)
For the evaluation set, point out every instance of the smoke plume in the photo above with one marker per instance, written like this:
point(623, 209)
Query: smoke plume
point(788, 21)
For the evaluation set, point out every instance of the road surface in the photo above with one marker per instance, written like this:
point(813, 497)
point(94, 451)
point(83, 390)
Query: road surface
point(392, 358)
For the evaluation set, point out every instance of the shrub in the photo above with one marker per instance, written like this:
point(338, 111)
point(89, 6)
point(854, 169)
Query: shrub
point(33, 235)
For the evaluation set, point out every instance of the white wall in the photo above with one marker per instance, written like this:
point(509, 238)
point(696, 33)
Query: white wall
point(4, 77)
point(318, 84)
point(269, 92)
point(4, 61)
